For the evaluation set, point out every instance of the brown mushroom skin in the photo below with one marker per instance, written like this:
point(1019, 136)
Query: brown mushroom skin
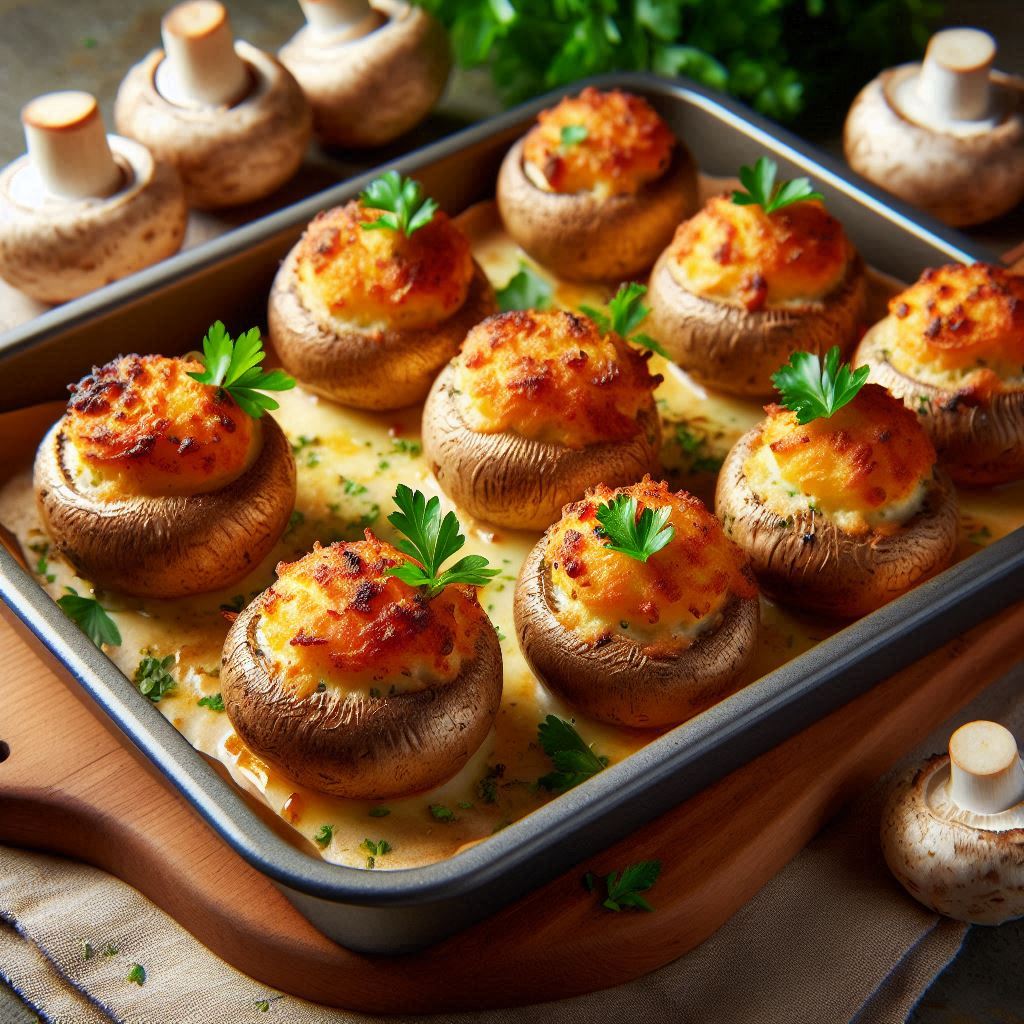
point(516, 482)
point(614, 680)
point(731, 349)
point(583, 238)
point(226, 156)
point(359, 747)
point(365, 368)
point(367, 91)
point(808, 562)
point(980, 440)
point(167, 547)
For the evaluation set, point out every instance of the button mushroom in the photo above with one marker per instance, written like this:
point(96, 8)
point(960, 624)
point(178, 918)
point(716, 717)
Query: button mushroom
point(952, 348)
point(593, 190)
point(228, 116)
point(747, 282)
point(836, 496)
point(376, 297)
point(157, 484)
point(370, 71)
point(947, 135)
point(83, 208)
point(535, 408)
point(636, 608)
point(953, 830)
point(357, 683)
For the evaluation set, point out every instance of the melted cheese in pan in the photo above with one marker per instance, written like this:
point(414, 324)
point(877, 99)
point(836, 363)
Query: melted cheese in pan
point(742, 256)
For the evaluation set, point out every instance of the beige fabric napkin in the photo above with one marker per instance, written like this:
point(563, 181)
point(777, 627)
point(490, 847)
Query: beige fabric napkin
point(832, 938)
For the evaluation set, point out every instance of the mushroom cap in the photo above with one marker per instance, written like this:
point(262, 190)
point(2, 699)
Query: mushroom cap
point(56, 250)
point(363, 367)
point(616, 681)
point(355, 745)
point(369, 90)
point(735, 350)
point(979, 440)
point(168, 546)
point(516, 482)
point(226, 155)
point(584, 238)
point(808, 562)
point(961, 178)
point(963, 865)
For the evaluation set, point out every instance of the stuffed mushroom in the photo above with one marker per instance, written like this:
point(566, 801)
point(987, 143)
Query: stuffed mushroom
point(376, 297)
point(636, 608)
point(952, 348)
point(593, 189)
point(749, 280)
point(538, 406)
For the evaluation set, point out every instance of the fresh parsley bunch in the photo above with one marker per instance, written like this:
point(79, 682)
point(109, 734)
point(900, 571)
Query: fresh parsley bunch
point(626, 312)
point(637, 535)
point(814, 391)
point(764, 191)
point(407, 208)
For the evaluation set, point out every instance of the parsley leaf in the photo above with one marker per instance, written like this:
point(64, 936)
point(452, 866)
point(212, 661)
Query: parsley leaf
point(814, 391)
point(763, 191)
point(214, 703)
point(625, 314)
point(573, 759)
point(573, 134)
point(638, 536)
point(408, 209)
point(623, 890)
point(137, 975)
point(375, 850)
point(234, 366)
point(432, 540)
point(323, 836)
point(441, 813)
point(153, 678)
point(91, 618)
point(526, 289)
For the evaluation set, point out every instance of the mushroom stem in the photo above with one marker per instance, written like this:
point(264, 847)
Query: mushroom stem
point(986, 773)
point(201, 67)
point(67, 146)
point(349, 19)
point(954, 81)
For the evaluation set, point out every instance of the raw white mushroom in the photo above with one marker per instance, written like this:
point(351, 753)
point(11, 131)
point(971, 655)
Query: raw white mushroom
point(83, 208)
point(953, 830)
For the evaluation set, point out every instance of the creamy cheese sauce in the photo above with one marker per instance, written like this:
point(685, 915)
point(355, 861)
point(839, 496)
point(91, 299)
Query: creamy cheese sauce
point(349, 464)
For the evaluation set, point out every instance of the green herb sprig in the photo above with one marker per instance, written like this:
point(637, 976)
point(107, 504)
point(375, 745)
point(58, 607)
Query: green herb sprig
point(234, 367)
point(637, 535)
point(573, 135)
point(432, 540)
point(137, 975)
point(90, 617)
point(323, 836)
point(407, 207)
point(625, 314)
point(624, 889)
point(763, 191)
point(215, 702)
point(814, 391)
point(573, 760)
point(526, 289)
point(153, 677)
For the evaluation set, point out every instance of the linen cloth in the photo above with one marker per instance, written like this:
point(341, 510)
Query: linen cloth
point(831, 939)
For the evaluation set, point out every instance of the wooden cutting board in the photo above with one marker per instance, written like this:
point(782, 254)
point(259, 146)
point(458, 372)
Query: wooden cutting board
point(67, 785)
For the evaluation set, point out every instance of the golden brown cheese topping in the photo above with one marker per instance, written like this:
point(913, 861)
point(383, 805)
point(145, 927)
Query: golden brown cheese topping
point(382, 278)
point(552, 376)
point(335, 618)
point(743, 256)
point(962, 326)
point(621, 144)
point(865, 467)
point(142, 425)
point(663, 603)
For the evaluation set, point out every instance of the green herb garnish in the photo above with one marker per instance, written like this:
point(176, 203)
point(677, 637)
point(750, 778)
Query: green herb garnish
point(432, 540)
point(87, 951)
point(763, 191)
point(234, 367)
point(408, 209)
point(214, 703)
point(637, 535)
point(375, 850)
point(137, 975)
point(623, 890)
point(323, 836)
point(441, 813)
point(90, 617)
point(816, 392)
point(573, 759)
point(526, 289)
point(573, 134)
point(42, 549)
point(625, 314)
point(153, 678)
point(379, 812)
point(110, 950)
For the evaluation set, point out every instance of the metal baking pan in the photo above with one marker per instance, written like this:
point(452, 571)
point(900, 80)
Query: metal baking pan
point(166, 307)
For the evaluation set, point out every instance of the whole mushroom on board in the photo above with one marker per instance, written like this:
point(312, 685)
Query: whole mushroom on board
point(227, 115)
point(83, 208)
point(947, 135)
point(370, 71)
point(953, 831)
